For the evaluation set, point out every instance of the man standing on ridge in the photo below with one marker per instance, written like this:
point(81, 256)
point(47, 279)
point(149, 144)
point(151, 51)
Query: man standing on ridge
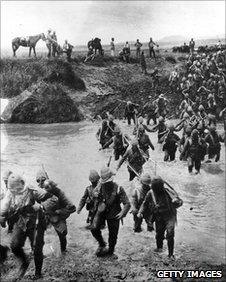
point(151, 45)
point(138, 47)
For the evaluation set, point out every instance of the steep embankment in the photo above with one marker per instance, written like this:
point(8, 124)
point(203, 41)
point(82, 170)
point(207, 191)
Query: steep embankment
point(62, 91)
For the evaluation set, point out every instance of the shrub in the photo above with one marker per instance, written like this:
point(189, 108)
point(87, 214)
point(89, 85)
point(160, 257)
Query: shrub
point(171, 59)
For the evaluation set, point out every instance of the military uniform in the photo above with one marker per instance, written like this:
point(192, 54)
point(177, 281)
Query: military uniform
point(119, 145)
point(138, 197)
point(30, 220)
point(58, 218)
point(135, 161)
point(130, 112)
point(163, 208)
point(112, 196)
point(170, 146)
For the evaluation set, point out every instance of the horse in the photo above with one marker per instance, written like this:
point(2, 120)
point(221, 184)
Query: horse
point(96, 45)
point(29, 41)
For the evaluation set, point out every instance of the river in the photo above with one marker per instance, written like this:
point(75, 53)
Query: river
point(68, 151)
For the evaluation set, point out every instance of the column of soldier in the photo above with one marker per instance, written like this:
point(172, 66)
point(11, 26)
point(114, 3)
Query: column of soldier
point(27, 211)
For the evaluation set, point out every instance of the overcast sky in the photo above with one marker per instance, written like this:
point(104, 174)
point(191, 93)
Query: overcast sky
point(79, 21)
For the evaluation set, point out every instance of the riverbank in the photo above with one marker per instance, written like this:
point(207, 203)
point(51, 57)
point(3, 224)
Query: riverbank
point(105, 84)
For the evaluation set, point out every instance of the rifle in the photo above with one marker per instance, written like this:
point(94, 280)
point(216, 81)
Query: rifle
point(47, 177)
point(109, 161)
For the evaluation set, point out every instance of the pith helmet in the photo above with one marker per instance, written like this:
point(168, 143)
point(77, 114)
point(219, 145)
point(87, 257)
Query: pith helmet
point(140, 120)
point(15, 182)
point(41, 175)
point(93, 176)
point(117, 129)
point(161, 119)
point(145, 179)
point(106, 175)
point(171, 127)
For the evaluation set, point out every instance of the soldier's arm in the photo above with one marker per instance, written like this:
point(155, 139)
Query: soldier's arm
point(125, 201)
point(5, 204)
point(108, 143)
point(186, 145)
point(143, 206)
point(134, 201)
point(83, 200)
point(124, 157)
point(40, 195)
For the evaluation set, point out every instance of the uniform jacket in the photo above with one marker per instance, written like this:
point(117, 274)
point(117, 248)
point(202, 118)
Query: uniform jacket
point(113, 197)
point(135, 159)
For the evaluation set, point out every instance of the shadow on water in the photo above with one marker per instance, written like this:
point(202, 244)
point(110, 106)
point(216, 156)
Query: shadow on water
point(212, 168)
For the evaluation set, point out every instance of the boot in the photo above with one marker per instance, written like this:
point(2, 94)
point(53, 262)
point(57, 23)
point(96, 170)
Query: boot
point(100, 249)
point(23, 269)
point(170, 244)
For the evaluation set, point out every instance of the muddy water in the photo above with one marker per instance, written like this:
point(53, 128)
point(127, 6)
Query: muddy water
point(68, 151)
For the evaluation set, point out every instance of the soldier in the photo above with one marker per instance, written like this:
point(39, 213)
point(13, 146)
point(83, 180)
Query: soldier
point(120, 143)
point(192, 46)
point(49, 42)
point(112, 45)
point(59, 216)
point(67, 48)
point(110, 196)
point(135, 160)
point(161, 127)
point(90, 197)
point(143, 63)
point(144, 142)
point(138, 196)
point(149, 108)
point(214, 146)
point(155, 77)
point(138, 47)
point(186, 134)
point(5, 177)
point(104, 134)
point(151, 45)
point(11, 218)
point(161, 104)
point(140, 121)
point(130, 112)
point(54, 43)
point(170, 144)
point(162, 202)
point(30, 220)
point(193, 148)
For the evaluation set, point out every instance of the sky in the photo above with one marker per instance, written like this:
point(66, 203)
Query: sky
point(80, 21)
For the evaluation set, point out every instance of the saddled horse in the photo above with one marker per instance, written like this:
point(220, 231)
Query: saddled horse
point(96, 45)
point(29, 41)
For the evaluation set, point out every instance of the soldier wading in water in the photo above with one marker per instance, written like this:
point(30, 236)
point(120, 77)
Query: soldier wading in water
point(110, 197)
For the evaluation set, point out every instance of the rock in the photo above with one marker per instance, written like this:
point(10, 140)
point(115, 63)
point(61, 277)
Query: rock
point(42, 103)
